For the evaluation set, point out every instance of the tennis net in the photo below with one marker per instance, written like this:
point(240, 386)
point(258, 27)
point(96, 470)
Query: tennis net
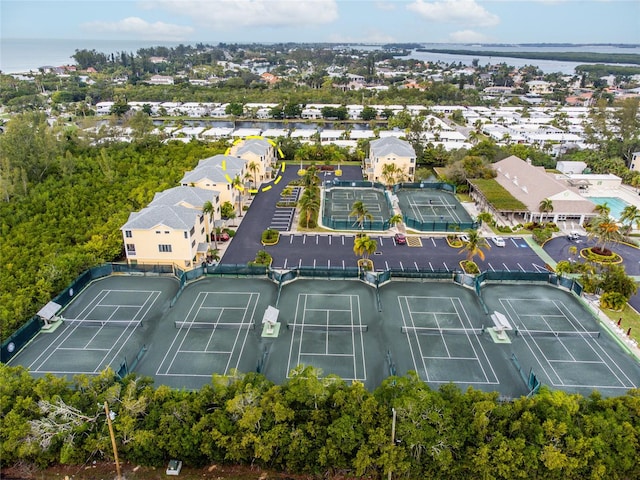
point(442, 331)
point(213, 326)
point(83, 322)
point(551, 333)
point(327, 328)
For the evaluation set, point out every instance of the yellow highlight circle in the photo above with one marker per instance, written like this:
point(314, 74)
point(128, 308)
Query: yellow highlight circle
point(239, 186)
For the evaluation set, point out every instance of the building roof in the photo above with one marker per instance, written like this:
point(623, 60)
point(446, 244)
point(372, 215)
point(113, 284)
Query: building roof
point(259, 146)
point(190, 197)
point(391, 145)
point(531, 185)
point(171, 216)
point(216, 169)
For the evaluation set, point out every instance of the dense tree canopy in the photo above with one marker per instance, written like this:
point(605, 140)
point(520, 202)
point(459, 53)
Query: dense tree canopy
point(63, 205)
point(321, 425)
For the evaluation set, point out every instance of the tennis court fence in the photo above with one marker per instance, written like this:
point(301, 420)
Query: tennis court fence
point(15, 342)
point(327, 327)
point(214, 326)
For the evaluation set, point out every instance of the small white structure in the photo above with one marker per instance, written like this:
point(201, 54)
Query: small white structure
point(501, 324)
point(48, 313)
point(174, 467)
point(270, 321)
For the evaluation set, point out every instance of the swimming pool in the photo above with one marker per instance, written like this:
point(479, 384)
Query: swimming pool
point(616, 205)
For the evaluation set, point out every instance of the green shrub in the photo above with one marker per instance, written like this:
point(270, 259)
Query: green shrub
point(270, 236)
point(613, 301)
point(470, 267)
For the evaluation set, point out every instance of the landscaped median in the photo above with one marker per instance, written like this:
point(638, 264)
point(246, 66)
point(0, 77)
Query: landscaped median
point(270, 237)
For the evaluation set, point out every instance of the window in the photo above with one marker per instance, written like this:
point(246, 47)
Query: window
point(193, 231)
point(193, 243)
point(167, 232)
point(164, 248)
point(157, 232)
point(131, 249)
point(128, 233)
point(201, 218)
point(185, 234)
point(202, 231)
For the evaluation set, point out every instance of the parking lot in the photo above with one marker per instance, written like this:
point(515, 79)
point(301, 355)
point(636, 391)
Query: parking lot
point(295, 250)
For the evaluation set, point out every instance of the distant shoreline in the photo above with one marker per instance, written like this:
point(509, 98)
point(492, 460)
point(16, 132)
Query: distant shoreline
point(586, 57)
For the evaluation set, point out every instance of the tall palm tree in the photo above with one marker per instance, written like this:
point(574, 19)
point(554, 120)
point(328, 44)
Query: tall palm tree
point(545, 206)
point(359, 210)
point(209, 210)
point(309, 204)
point(631, 214)
point(237, 184)
point(605, 230)
point(310, 178)
point(475, 246)
point(253, 167)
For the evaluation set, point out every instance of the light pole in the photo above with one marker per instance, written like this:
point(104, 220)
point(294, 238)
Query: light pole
point(393, 435)
point(110, 417)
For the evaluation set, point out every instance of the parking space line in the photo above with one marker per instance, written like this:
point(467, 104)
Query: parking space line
point(445, 266)
point(304, 239)
point(401, 266)
point(416, 264)
point(505, 267)
point(521, 267)
point(431, 266)
point(284, 267)
point(433, 240)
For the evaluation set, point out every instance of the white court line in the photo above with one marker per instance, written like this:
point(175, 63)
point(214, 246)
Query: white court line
point(202, 296)
point(404, 322)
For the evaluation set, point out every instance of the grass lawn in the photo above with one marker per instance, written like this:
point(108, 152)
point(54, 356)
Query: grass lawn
point(630, 319)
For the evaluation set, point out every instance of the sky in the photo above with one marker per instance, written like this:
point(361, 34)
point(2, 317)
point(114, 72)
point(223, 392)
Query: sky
point(336, 21)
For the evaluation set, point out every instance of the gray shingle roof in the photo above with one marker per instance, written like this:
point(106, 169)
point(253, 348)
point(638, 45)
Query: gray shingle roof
point(185, 196)
point(391, 145)
point(211, 169)
point(175, 217)
point(255, 145)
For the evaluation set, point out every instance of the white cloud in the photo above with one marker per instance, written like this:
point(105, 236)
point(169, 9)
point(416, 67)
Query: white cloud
point(139, 28)
point(465, 12)
point(386, 6)
point(468, 36)
point(234, 14)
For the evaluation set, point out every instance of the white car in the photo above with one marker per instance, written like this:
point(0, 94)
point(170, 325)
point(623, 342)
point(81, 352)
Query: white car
point(499, 241)
point(463, 237)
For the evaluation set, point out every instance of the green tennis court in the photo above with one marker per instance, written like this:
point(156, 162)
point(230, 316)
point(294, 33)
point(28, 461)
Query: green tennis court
point(348, 328)
point(338, 205)
point(431, 205)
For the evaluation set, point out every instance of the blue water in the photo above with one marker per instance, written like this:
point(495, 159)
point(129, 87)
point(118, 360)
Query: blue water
point(614, 203)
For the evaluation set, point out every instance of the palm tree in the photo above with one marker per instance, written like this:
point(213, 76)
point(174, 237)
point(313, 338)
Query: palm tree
point(603, 209)
point(364, 246)
point(395, 220)
point(359, 210)
point(605, 230)
point(253, 167)
point(209, 209)
point(310, 178)
point(392, 174)
point(545, 206)
point(475, 245)
point(309, 204)
point(237, 184)
point(631, 214)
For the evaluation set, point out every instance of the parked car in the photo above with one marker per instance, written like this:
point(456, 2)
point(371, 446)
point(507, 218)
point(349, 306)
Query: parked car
point(400, 239)
point(463, 237)
point(498, 241)
point(221, 237)
point(575, 237)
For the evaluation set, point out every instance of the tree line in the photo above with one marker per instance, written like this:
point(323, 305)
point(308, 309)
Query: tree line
point(320, 425)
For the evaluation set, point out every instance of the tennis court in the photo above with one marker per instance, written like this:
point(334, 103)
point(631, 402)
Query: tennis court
point(559, 339)
point(107, 325)
point(214, 327)
point(327, 326)
point(431, 205)
point(338, 205)
point(437, 329)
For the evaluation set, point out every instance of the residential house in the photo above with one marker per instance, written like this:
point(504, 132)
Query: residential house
point(259, 152)
point(164, 234)
point(218, 173)
point(635, 162)
point(160, 80)
point(389, 150)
